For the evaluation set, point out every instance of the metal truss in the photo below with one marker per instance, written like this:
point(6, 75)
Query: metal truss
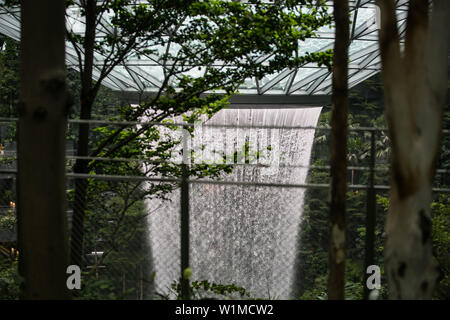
point(139, 77)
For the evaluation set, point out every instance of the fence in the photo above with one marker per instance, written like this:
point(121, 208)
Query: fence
point(168, 228)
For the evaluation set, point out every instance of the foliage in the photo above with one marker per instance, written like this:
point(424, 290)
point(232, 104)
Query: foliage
point(10, 280)
point(366, 107)
point(218, 30)
point(9, 84)
point(8, 220)
point(186, 38)
point(196, 35)
point(9, 79)
point(441, 243)
point(115, 227)
point(205, 290)
point(193, 36)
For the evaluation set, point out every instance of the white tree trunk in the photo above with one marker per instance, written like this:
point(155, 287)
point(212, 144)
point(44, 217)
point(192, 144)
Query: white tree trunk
point(415, 82)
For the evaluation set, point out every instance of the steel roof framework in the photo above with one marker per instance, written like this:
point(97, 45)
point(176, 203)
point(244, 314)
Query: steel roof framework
point(309, 84)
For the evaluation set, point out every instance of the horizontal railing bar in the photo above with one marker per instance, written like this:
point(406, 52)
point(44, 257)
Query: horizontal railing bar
point(217, 182)
point(180, 124)
point(357, 168)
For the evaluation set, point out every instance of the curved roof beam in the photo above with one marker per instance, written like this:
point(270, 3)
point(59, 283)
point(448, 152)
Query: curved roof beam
point(135, 75)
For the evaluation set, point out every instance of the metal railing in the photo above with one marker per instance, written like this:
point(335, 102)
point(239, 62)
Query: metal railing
point(184, 181)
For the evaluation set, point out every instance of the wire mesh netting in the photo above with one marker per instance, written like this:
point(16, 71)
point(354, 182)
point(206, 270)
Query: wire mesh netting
point(116, 258)
point(8, 220)
point(256, 230)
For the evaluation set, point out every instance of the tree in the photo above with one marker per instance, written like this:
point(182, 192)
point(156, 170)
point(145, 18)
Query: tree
point(9, 80)
point(338, 171)
point(234, 33)
point(42, 225)
point(415, 85)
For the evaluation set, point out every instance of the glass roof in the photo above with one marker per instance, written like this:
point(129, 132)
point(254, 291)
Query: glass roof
point(145, 74)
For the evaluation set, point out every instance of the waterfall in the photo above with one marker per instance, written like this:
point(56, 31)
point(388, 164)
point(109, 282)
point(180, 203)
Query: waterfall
point(241, 234)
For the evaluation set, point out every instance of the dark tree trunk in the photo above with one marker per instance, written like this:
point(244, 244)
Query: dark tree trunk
point(338, 172)
point(81, 165)
point(80, 198)
point(42, 219)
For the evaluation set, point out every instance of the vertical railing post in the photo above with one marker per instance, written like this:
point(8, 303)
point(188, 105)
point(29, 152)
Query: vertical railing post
point(185, 292)
point(370, 216)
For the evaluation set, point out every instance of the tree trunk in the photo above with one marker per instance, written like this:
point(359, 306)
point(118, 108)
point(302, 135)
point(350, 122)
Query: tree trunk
point(81, 165)
point(81, 185)
point(338, 171)
point(415, 83)
point(42, 219)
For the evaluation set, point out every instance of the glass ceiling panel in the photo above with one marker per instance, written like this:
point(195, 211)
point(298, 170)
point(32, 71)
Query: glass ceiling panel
point(146, 73)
